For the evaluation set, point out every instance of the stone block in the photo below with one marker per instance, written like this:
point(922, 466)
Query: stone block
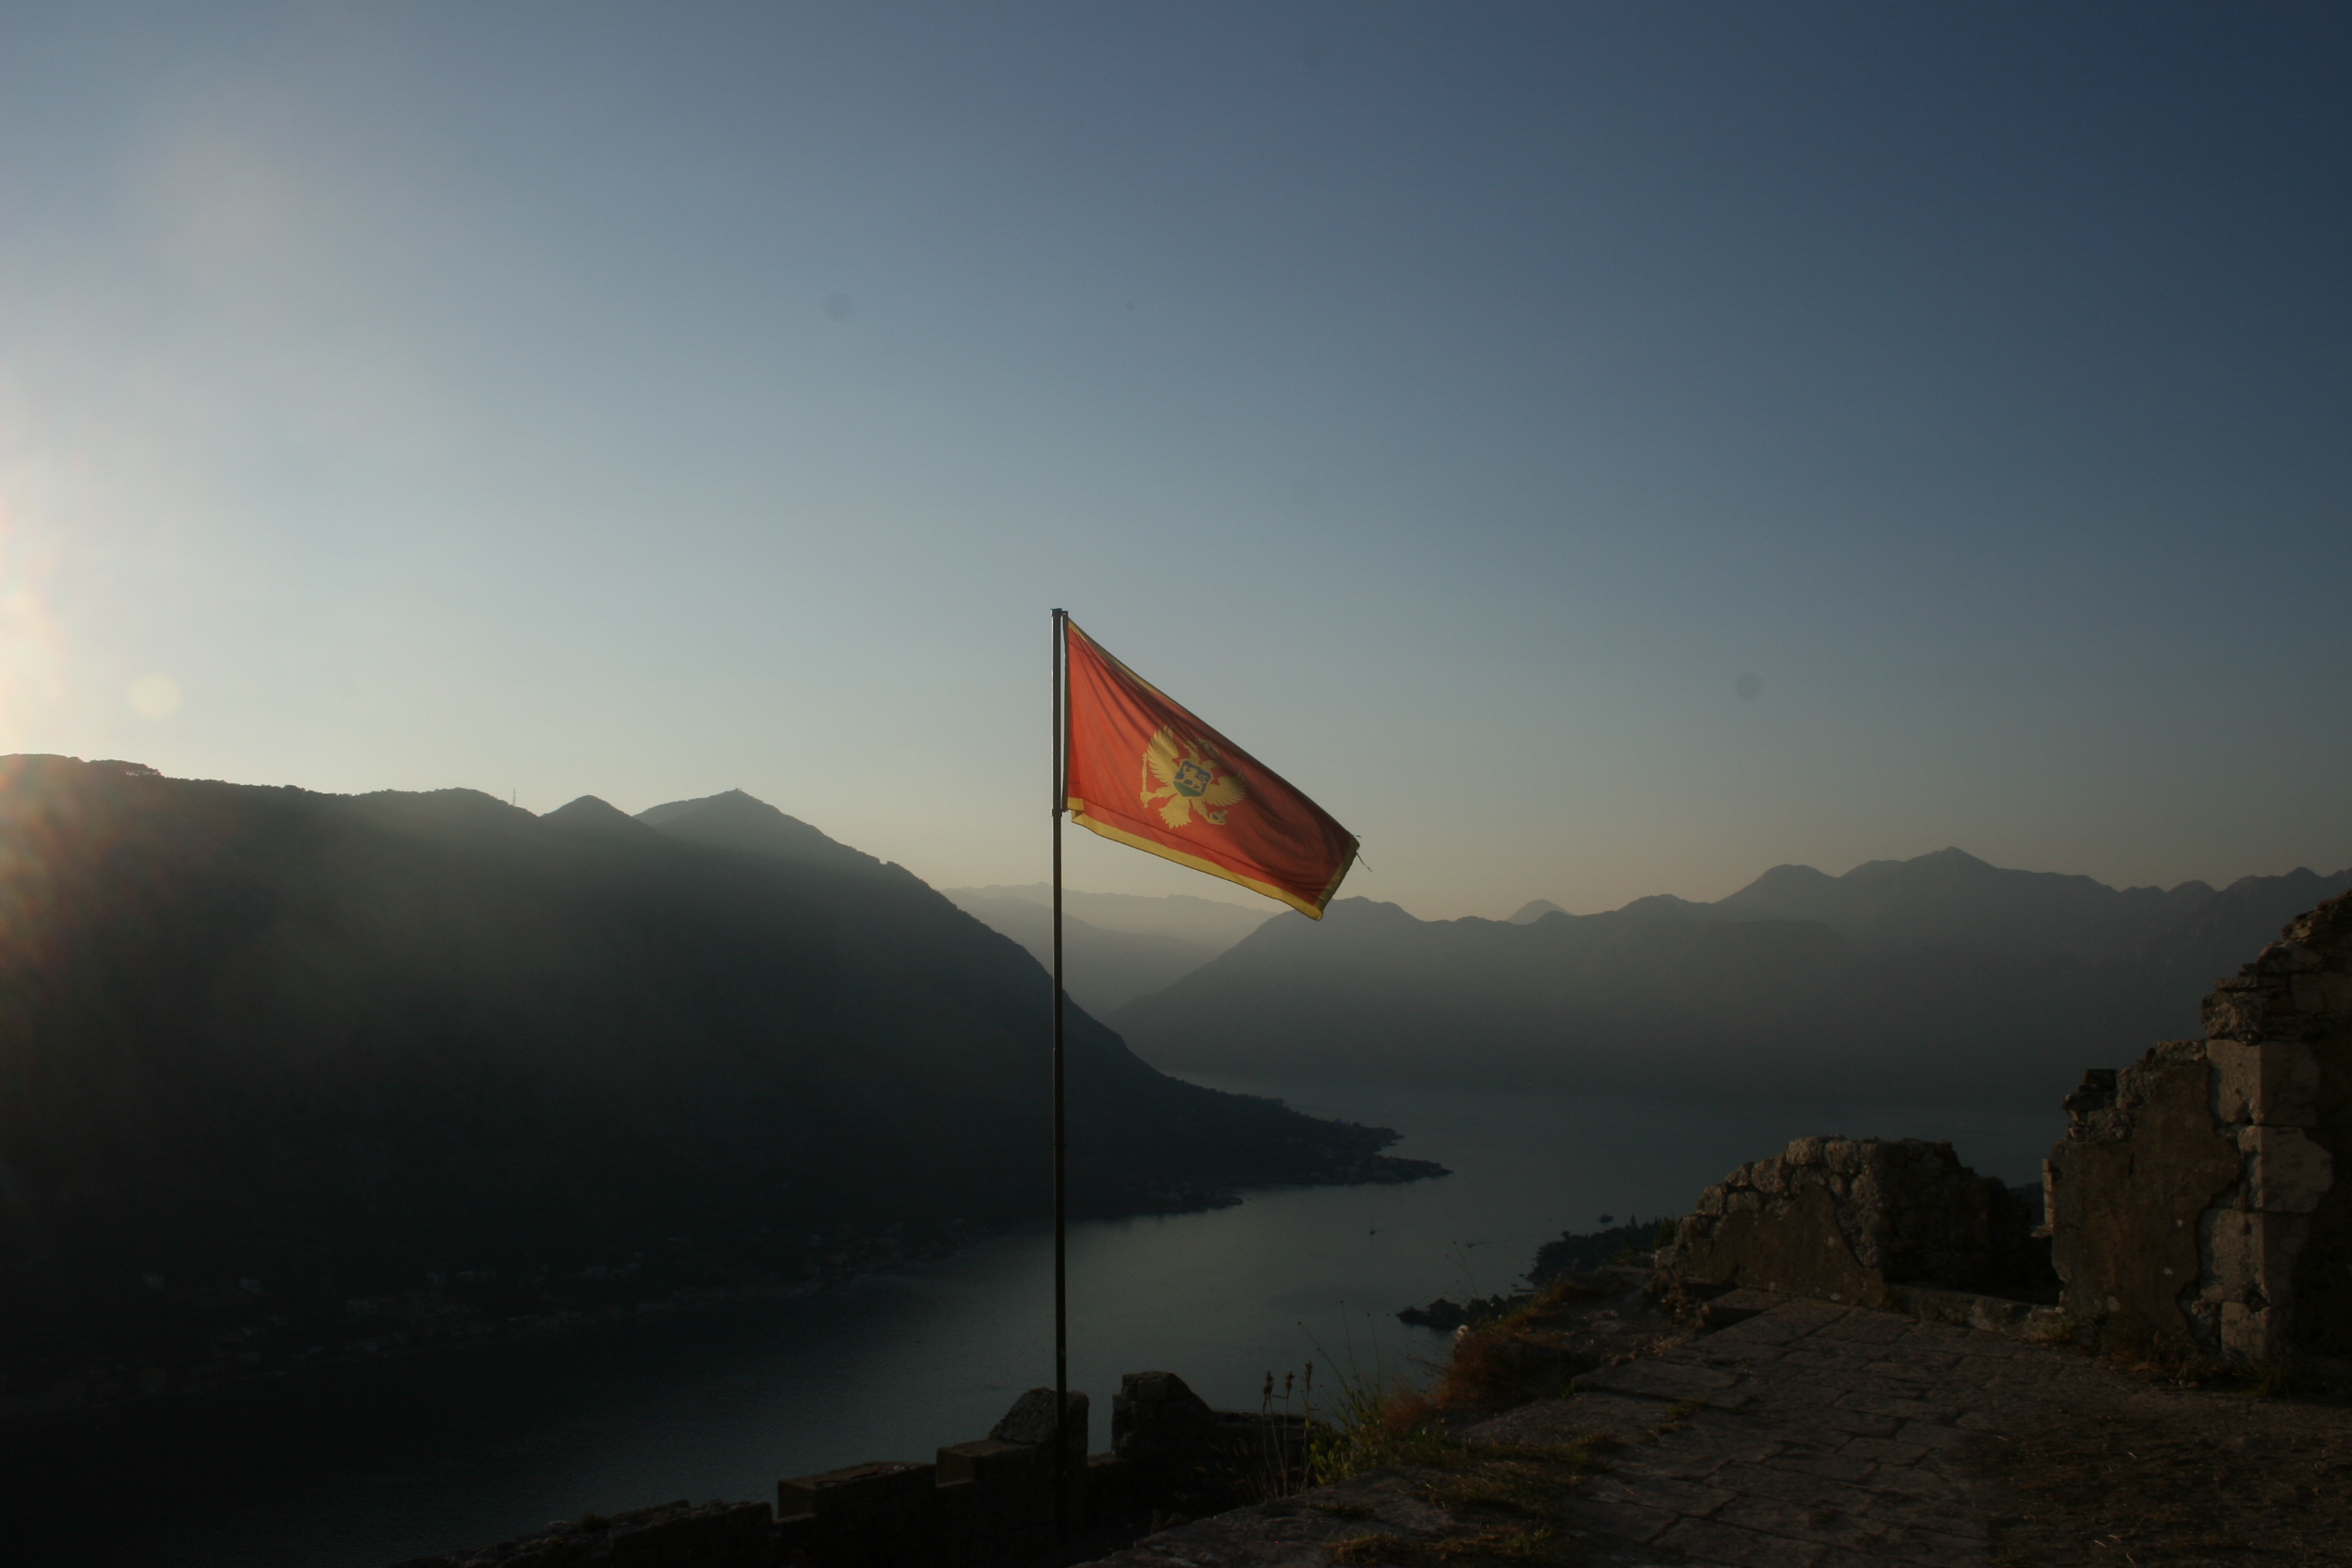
point(989, 1485)
point(1158, 1422)
point(2335, 994)
point(1031, 1420)
point(989, 1463)
point(2286, 1171)
point(2287, 956)
point(2125, 1202)
point(741, 1535)
point(2249, 1252)
point(2248, 1009)
point(2251, 1333)
point(2321, 995)
point(2272, 1082)
point(861, 1515)
point(1114, 1482)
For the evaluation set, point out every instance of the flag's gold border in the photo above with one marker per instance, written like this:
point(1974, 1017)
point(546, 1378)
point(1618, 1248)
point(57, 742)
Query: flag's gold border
point(1153, 847)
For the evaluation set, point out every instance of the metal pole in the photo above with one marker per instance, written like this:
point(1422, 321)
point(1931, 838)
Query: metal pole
point(1060, 1187)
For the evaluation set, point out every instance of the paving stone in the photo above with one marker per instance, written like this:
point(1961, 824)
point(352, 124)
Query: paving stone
point(1884, 1554)
point(1737, 1548)
point(1870, 1328)
point(1778, 1516)
point(1918, 1481)
point(1942, 1395)
point(1793, 1486)
point(1929, 1435)
point(1735, 1355)
point(1826, 1437)
point(1812, 1461)
point(1692, 1460)
point(1566, 1420)
point(1629, 1520)
point(1661, 1492)
point(1923, 1370)
point(1934, 1548)
point(1871, 1403)
point(1663, 1380)
point(1757, 1331)
point(1881, 1450)
point(1825, 1424)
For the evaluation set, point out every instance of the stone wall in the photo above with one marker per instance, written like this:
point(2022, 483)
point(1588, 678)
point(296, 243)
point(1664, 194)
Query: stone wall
point(1848, 1219)
point(2194, 1204)
point(976, 1504)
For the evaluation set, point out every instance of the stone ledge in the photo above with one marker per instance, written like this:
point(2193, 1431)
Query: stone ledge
point(2034, 1323)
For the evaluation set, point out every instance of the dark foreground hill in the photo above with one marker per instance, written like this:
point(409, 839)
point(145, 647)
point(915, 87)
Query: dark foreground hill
point(1936, 977)
point(303, 1048)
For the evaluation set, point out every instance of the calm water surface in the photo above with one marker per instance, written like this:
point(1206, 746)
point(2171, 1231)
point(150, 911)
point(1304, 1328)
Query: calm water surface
point(360, 1466)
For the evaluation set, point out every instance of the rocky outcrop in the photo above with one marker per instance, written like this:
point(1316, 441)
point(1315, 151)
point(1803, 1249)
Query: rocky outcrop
point(2195, 1203)
point(1844, 1220)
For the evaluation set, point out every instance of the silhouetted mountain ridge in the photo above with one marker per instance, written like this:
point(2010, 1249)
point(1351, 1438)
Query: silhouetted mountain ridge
point(1940, 976)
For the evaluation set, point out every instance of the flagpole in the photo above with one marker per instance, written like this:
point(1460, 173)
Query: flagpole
point(1061, 1185)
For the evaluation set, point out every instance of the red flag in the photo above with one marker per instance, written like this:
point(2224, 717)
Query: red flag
point(1143, 772)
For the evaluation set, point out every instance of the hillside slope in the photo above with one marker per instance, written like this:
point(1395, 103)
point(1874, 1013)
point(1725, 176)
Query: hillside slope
point(1103, 969)
point(250, 1032)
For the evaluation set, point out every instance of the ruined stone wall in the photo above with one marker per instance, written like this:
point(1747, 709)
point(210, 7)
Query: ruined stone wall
point(977, 1503)
point(2194, 1203)
point(1846, 1220)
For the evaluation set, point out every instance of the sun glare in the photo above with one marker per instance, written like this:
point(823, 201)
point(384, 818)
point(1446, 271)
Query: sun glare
point(31, 669)
point(154, 696)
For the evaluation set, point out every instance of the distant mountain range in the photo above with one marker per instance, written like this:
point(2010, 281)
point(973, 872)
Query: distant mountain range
point(1940, 976)
point(330, 1045)
point(1116, 947)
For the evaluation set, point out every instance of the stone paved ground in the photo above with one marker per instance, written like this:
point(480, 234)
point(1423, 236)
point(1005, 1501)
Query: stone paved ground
point(1807, 1435)
point(1822, 1435)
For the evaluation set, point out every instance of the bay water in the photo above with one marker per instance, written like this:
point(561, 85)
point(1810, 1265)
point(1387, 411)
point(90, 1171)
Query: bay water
point(361, 1465)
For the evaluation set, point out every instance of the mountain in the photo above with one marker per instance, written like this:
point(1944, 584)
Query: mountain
point(1208, 923)
point(1952, 899)
point(738, 822)
point(1534, 910)
point(329, 1046)
point(1937, 978)
point(1102, 969)
point(1116, 947)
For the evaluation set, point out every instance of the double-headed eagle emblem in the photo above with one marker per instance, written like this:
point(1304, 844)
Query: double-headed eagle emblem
point(1191, 777)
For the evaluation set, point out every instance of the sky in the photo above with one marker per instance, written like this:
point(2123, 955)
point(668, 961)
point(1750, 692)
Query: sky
point(1594, 449)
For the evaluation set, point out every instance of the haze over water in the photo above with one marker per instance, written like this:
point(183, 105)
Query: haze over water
point(360, 1466)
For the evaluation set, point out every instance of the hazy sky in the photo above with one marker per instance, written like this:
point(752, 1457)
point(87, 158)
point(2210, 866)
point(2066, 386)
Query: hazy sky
point(1596, 451)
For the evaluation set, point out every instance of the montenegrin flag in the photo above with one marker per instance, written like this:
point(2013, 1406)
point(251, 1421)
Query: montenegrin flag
point(1143, 771)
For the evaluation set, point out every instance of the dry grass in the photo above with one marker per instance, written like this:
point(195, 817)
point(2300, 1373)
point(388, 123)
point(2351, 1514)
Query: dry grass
point(1399, 1424)
point(1502, 1361)
point(1509, 1504)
